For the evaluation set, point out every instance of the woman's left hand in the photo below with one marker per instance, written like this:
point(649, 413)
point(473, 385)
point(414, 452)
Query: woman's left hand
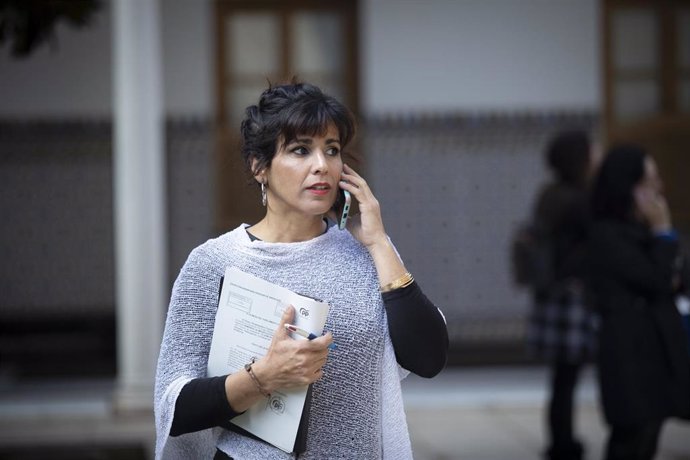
point(367, 226)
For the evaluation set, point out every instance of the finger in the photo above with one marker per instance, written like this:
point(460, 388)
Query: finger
point(358, 187)
point(351, 177)
point(316, 366)
point(354, 190)
point(287, 318)
point(323, 342)
point(314, 377)
point(349, 171)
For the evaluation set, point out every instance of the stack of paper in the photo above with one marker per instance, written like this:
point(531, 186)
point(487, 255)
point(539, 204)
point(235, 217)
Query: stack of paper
point(249, 312)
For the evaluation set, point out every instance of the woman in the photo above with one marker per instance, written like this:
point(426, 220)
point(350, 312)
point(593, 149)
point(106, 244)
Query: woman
point(644, 366)
point(292, 144)
point(561, 325)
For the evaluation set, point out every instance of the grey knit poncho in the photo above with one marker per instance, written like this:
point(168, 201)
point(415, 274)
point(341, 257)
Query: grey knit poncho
point(357, 408)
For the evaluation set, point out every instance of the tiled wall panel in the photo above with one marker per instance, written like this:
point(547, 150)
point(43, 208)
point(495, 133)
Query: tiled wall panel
point(56, 200)
point(451, 188)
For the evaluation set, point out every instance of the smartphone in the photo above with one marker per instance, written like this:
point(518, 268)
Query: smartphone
point(346, 210)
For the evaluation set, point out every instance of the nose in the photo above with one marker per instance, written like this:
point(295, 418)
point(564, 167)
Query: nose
point(320, 164)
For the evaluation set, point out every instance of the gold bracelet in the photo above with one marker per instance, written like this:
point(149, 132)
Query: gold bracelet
point(399, 283)
point(250, 371)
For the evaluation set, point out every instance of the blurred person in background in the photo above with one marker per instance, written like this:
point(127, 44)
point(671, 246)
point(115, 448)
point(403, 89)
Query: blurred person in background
point(561, 324)
point(293, 142)
point(643, 360)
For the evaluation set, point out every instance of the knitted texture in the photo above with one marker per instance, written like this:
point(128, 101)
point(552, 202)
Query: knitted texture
point(357, 408)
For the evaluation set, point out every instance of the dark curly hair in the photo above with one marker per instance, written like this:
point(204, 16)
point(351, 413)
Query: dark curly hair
point(622, 169)
point(285, 112)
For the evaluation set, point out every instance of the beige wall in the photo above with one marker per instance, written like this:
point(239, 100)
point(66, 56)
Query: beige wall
point(435, 55)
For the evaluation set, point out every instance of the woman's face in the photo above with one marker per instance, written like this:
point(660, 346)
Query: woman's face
point(304, 174)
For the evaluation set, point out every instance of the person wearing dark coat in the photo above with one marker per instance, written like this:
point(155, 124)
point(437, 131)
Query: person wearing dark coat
point(643, 362)
point(561, 324)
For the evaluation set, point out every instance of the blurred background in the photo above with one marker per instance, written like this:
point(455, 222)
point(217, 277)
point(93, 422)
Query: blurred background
point(118, 155)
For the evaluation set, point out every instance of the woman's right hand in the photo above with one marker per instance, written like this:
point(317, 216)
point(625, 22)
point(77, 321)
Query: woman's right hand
point(289, 362)
point(653, 207)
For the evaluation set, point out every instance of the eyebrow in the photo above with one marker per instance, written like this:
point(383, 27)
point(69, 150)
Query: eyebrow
point(307, 140)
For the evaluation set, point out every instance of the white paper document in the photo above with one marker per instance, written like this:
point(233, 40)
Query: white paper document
point(249, 312)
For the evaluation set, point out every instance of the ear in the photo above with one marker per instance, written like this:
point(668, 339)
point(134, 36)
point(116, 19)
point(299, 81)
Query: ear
point(260, 176)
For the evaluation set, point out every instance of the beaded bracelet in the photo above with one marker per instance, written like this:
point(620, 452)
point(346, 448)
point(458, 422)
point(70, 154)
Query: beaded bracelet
point(398, 283)
point(250, 371)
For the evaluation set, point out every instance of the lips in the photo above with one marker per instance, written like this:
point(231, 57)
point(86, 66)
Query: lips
point(322, 186)
point(320, 189)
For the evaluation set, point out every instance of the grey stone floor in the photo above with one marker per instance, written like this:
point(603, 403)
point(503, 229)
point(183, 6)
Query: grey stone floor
point(464, 413)
point(497, 414)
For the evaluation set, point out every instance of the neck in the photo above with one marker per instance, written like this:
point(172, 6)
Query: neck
point(273, 229)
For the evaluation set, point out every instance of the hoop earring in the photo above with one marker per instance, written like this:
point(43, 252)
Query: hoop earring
point(264, 197)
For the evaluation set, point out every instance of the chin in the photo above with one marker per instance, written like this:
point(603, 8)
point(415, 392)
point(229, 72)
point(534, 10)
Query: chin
point(323, 208)
point(322, 212)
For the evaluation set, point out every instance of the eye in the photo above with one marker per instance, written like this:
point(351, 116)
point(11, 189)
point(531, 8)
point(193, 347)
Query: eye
point(333, 151)
point(300, 150)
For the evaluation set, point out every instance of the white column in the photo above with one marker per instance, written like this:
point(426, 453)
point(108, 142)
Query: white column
point(139, 183)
